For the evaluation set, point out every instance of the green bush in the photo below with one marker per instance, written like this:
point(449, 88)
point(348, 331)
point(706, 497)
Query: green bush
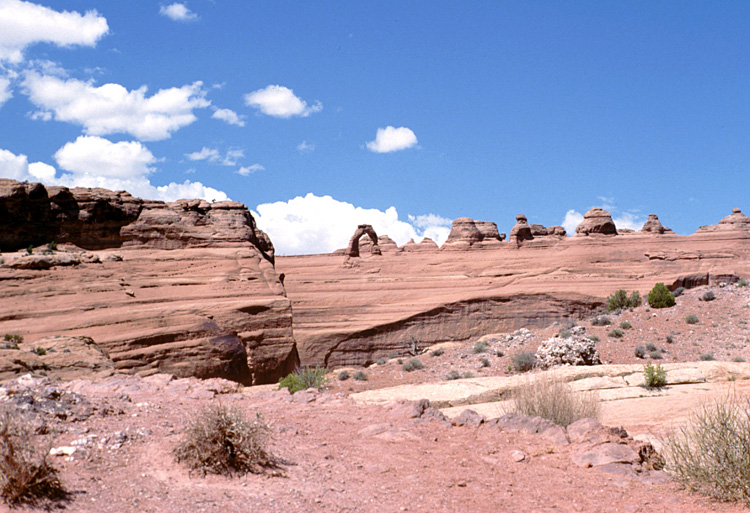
point(692, 319)
point(708, 296)
point(678, 291)
point(620, 300)
point(654, 377)
point(221, 440)
point(485, 362)
point(593, 338)
point(454, 374)
point(52, 246)
point(615, 333)
point(601, 321)
point(660, 297)
point(711, 453)
point(343, 375)
point(742, 283)
point(26, 477)
point(412, 365)
point(551, 398)
point(523, 361)
point(738, 359)
point(655, 354)
point(626, 325)
point(480, 347)
point(381, 361)
point(437, 352)
point(13, 338)
point(564, 333)
point(640, 352)
point(302, 379)
point(360, 376)
point(707, 357)
point(40, 351)
point(669, 339)
point(30, 249)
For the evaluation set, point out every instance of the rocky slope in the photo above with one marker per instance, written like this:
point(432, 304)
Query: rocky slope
point(186, 287)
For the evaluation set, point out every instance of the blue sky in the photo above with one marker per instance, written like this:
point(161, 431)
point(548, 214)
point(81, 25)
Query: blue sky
point(405, 115)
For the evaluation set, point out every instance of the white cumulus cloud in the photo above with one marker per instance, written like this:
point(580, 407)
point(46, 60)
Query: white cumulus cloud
point(23, 24)
point(107, 170)
point(280, 102)
point(247, 171)
point(111, 108)
point(390, 139)
point(230, 158)
point(178, 12)
point(229, 116)
point(321, 224)
point(5, 92)
point(572, 219)
point(210, 154)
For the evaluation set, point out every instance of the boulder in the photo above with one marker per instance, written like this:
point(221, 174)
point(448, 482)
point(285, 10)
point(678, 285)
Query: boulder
point(597, 220)
point(573, 349)
point(653, 225)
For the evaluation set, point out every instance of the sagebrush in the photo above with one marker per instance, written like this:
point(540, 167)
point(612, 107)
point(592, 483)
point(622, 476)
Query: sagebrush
point(711, 453)
point(221, 440)
point(26, 477)
point(549, 397)
point(620, 300)
point(302, 379)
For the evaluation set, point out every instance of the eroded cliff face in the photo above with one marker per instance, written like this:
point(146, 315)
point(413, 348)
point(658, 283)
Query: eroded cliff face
point(187, 287)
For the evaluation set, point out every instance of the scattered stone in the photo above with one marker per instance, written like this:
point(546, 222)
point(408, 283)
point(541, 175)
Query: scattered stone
point(517, 456)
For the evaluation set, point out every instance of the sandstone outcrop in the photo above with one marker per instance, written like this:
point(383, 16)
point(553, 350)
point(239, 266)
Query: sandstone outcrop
point(32, 214)
point(426, 245)
point(653, 225)
point(597, 220)
point(467, 233)
point(734, 221)
point(523, 231)
point(192, 289)
point(363, 229)
point(385, 243)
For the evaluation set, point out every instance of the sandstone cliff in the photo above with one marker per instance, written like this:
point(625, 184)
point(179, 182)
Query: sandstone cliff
point(186, 287)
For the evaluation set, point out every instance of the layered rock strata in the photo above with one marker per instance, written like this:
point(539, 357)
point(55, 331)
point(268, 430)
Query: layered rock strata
point(187, 288)
point(467, 233)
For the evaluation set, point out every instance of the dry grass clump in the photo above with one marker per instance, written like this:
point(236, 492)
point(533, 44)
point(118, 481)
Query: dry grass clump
point(548, 396)
point(711, 453)
point(26, 477)
point(221, 440)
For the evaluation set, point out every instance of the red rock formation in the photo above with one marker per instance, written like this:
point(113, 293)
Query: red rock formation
point(596, 220)
point(193, 292)
point(467, 233)
point(734, 221)
point(653, 225)
point(363, 229)
point(426, 245)
point(385, 243)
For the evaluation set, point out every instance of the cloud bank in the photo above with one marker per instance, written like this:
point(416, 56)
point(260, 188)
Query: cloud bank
point(280, 102)
point(24, 24)
point(111, 108)
point(322, 224)
point(390, 139)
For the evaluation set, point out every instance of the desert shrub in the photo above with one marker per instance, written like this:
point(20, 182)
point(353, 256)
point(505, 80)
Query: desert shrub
point(437, 352)
point(708, 296)
point(615, 333)
point(692, 319)
point(626, 325)
point(14, 338)
point(52, 246)
point(707, 357)
point(467, 375)
point(26, 477)
point(620, 300)
point(640, 352)
point(742, 283)
point(360, 376)
point(678, 291)
point(660, 297)
point(381, 361)
point(454, 374)
point(593, 338)
point(485, 362)
point(30, 250)
point(654, 377)
point(221, 440)
point(564, 333)
point(40, 351)
point(655, 354)
point(738, 359)
point(480, 347)
point(710, 454)
point(343, 375)
point(551, 398)
point(523, 361)
point(412, 365)
point(651, 346)
point(602, 320)
point(302, 379)
point(669, 339)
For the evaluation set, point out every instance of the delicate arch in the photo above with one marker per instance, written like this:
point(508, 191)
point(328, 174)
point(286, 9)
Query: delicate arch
point(363, 229)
